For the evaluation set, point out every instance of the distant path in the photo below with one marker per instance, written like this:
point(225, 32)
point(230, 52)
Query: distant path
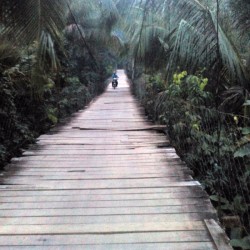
point(106, 180)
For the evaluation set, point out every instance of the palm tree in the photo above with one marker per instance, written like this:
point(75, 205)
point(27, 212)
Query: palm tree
point(28, 21)
point(42, 24)
point(37, 23)
point(192, 35)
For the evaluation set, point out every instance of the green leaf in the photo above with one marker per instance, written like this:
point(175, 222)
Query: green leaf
point(236, 243)
point(227, 207)
point(246, 131)
point(243, 243)
point(53, 118)
point(243, 151)
point(247, 103)
point(217, 198)
point(238, 204)
point(236, 233)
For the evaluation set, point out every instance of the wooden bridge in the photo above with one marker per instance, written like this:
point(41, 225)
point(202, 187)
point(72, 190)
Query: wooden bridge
point(105, 180)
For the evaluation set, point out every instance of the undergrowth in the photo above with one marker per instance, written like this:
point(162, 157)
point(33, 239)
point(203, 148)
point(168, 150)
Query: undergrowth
point(215, 144)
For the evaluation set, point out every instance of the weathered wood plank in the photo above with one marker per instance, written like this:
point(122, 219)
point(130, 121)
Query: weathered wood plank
point(99, 203)
point(126, 151)
point(145, 246)
point(8, 191)
point(47, 240)
point(64, 197)
point(105, 211)
point(104, 184)
point(76, 174)
point(105, 219)
point(66, 180)
point(134, 165)
point(101, 229)
point(219, 237)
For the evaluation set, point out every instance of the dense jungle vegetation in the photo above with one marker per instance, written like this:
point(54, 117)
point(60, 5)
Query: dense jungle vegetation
point(47, 68)
point(189, 61)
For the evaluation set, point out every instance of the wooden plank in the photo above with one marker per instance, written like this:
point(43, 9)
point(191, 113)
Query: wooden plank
point(108, 172)
point(78, 173)
point(106, 151)
point(64, 197)
point(48, 240)
point(88, 134)
point(98, 203)
point(65, 180)
point(136, 164)
point(97, 157)
point(43, 179)
point(95, 162)
point(151, 158)
point(106, 184)
point(219, 237)
point(105, 219)
point(101, 229)
point(25, 191)
point(106, 211)
point(99, 147)
point(146, 246)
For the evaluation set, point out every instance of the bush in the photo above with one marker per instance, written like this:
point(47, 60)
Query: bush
point(13, 133)
point(23, 116)
point(215, 145)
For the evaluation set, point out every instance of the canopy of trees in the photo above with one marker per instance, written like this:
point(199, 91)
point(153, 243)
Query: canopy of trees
point(189, 61)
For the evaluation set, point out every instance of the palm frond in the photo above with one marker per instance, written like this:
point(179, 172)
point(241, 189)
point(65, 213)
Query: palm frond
point(9, 55)
point(38, 22)
point(239, 16)
point(197, 46)
point(196, 42)
point(72, 32)
point(24, 21)
point(87, 13)
point(230, 57)
point(46, 52)
point(233, 99)
point(109, 12)
point(118, 40)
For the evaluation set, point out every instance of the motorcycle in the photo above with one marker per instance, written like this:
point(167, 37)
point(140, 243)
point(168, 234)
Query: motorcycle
point(115, 82)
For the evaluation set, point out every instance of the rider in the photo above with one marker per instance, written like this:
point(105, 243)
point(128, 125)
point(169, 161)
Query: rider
point(115, 77)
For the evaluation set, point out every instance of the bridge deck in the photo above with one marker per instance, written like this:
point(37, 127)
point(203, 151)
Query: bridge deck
point(105, 180)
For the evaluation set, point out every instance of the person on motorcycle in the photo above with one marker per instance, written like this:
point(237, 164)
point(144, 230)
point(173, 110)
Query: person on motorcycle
point(115, 79)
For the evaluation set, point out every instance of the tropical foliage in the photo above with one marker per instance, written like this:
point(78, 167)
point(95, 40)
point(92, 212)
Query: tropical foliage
point(47, 67)
point(189, 61)
point(188, 35)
